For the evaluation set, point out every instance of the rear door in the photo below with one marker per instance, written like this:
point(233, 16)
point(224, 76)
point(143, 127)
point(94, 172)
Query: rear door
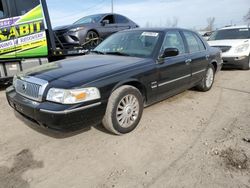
point(174, 72)
point(122, 22)
point(7, 46)
point(198, 56)
point(30, 35)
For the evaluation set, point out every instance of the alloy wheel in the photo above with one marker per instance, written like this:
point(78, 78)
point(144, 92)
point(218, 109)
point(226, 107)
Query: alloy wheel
point(127, 111)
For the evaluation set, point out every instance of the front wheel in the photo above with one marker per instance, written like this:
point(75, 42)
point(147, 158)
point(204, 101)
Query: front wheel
point(92, 40)
point(208, 80)
point(124, 110)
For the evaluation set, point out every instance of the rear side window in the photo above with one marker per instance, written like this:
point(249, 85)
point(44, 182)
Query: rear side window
point(194, 42)
point(22, 7)
point(121, 19)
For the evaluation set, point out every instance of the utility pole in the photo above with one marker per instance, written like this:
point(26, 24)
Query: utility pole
point(112, 6)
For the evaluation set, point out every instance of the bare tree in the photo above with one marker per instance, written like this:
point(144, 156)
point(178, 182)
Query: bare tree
point(147, 24)
point(247, 17)
point(210, 24)
point(172, 23)
point(175, 22)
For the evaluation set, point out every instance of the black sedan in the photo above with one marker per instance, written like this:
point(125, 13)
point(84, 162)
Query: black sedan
point(129, 70)
point(90, 30)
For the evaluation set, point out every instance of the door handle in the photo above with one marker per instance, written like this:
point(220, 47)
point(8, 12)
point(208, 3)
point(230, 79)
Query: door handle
point(188, 61)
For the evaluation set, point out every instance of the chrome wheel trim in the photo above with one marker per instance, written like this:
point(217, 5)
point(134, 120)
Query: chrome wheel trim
point(127, 111)
point(209, 77)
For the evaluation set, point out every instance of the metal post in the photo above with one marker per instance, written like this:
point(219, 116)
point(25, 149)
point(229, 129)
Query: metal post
point(49, 26)
point(112, 6)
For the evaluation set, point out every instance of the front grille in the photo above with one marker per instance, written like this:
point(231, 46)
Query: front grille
point(61, 32)
point(30, 87)
point(224, 48)
point(29, 90)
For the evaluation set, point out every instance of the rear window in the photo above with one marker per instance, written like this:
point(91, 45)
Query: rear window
point(243, 33)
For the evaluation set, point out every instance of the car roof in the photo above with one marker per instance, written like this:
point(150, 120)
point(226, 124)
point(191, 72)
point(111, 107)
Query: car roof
point(160, 29)
point(235, 27)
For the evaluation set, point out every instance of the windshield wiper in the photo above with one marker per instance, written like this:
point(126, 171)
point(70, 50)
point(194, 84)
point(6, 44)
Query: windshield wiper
point(117, 53)
point(97, 52)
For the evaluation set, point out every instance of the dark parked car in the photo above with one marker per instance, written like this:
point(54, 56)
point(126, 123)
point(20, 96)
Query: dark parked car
point(92, 29)
point(129, 70)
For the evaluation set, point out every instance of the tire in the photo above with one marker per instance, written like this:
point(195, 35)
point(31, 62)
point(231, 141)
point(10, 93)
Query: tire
point(124, 110)
point(246, 66)
point(207, 82)
point(90, 36)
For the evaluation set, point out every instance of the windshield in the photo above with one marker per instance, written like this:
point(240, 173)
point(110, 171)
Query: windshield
point(89, 19)
point(243, 33)
point(131, 43)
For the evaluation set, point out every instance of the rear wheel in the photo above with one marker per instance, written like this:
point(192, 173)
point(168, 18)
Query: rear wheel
point(208, 80)
point(124, 110)
point(246, 66)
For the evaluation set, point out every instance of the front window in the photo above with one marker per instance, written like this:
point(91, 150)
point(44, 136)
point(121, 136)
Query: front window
point(227, 34)
point(130, 43)
point(89, 19)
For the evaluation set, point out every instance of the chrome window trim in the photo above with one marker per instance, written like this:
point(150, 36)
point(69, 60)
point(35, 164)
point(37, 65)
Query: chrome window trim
point(72, 110)
point(30, 79)
point(197, 72)
point(171, 81)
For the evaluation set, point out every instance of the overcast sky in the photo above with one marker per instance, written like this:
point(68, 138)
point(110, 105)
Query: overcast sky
point(190, 13)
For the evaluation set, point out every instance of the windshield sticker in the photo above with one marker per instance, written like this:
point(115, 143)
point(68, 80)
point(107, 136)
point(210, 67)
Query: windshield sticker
point(243, 29)
point(150, 34)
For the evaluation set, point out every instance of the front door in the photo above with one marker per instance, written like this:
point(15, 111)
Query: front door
point(108, 28)
point(174, 72)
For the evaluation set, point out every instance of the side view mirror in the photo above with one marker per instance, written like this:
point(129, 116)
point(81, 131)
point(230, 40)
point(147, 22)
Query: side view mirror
point(105, 22)
point(170, 52)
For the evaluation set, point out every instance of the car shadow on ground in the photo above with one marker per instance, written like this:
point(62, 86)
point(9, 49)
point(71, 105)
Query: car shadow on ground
point(59, 134)
point(4, 87)
point(230, 69)
point(23, 162)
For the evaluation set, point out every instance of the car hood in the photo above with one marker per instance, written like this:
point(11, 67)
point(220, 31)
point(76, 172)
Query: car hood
point(234, 42)
point(84, 69)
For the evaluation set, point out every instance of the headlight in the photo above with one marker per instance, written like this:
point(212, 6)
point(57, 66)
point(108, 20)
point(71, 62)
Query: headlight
point(14, 81)
point(241, 48)
point(76, 29)
point(73, 96)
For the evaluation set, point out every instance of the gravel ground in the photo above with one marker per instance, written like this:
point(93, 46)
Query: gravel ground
point(191, 140)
